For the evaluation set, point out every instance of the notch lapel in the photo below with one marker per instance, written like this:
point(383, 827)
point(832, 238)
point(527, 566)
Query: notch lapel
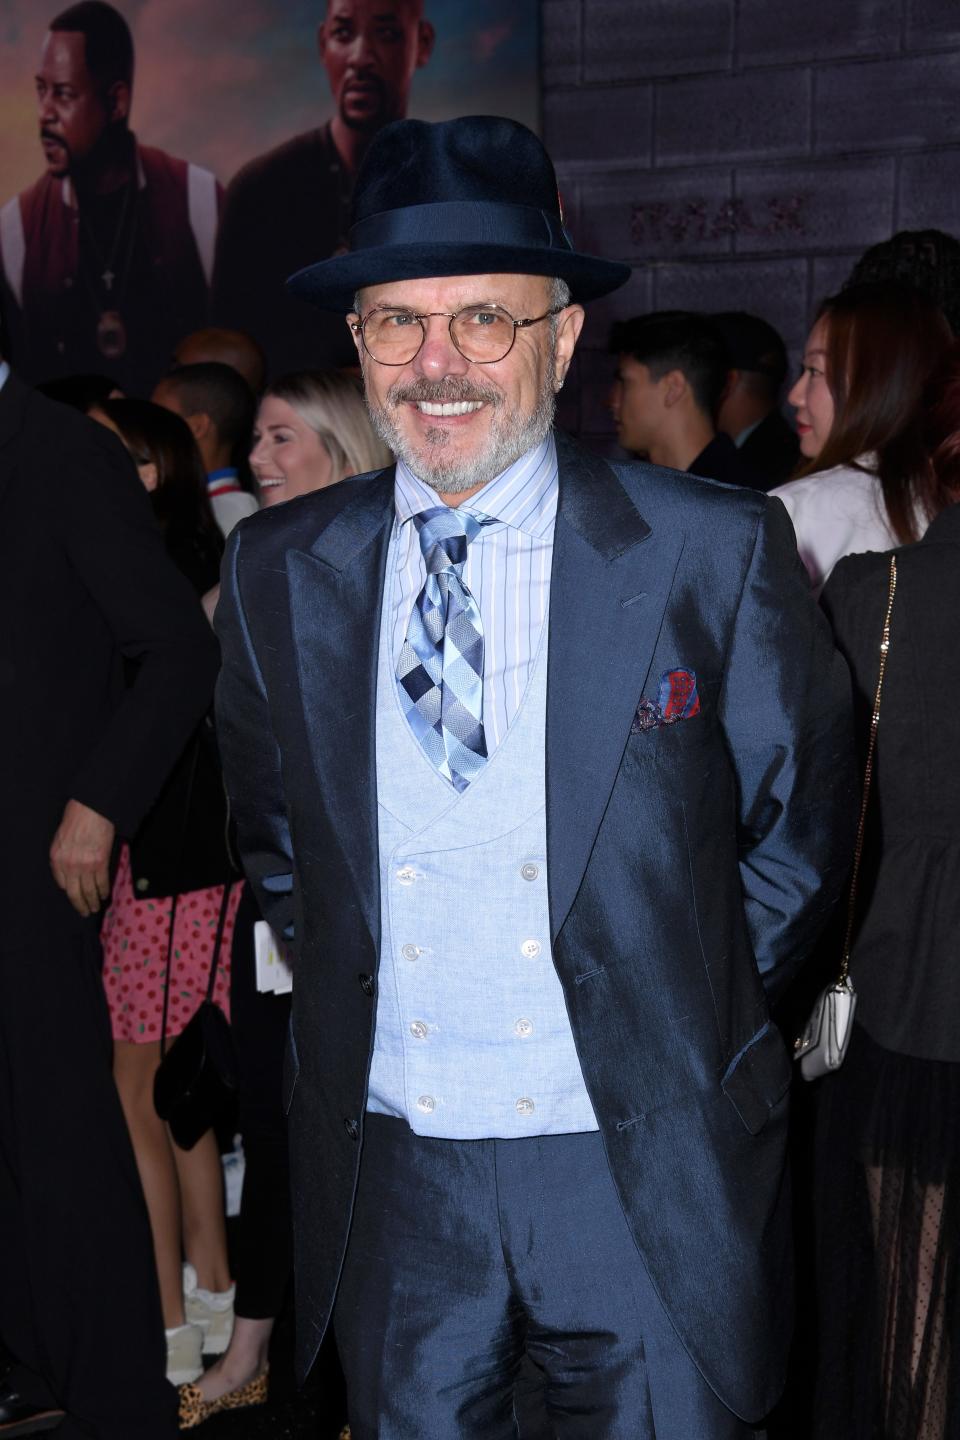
point(610, 582)
point(336, 596)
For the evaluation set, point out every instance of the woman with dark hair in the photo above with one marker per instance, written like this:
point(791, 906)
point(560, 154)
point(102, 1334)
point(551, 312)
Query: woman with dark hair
point(865, 483)
point(179, 851)
point(888, 1141)
point(171, 469)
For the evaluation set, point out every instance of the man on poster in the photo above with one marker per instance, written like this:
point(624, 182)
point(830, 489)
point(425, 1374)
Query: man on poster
point(545, 765)
point(287, 207)
point(106, 260)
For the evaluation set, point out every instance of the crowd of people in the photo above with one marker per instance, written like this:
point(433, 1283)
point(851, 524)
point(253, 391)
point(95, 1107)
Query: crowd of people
point(130, 897)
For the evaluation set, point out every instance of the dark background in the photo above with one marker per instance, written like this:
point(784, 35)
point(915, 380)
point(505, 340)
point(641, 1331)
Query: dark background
point(743, 153)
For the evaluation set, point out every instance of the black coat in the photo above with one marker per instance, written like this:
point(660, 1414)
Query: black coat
point(906, 954)
point(721, 460)
point(85, 584)
point(771, 451)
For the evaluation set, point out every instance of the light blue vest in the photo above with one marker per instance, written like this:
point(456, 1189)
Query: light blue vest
point(472, 1036)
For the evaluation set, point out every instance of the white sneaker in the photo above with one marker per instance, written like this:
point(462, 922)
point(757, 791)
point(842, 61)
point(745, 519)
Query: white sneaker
point(211, 1310)
point(184, 1351)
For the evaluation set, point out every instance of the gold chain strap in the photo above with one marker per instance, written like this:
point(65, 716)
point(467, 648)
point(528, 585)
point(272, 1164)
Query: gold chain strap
point(867, 777)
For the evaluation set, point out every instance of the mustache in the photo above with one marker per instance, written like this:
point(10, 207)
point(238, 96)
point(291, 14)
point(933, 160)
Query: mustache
point(449, 390)
point(52, 136)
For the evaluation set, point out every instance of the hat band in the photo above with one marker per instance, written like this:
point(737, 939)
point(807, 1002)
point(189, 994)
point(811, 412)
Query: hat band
point(461, 222)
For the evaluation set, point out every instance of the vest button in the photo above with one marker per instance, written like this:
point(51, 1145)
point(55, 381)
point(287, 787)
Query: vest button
point(525, 1105)
point(352, 1128)
point(530, 949)
point(366, 984)
point(523, 1028)
point(530, 871)
point(418, 1030)
point(427, 1104)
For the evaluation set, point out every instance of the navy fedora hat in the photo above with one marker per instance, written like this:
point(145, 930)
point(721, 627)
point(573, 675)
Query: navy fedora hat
point(472, 196)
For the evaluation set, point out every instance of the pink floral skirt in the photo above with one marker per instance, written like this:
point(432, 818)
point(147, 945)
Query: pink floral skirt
point(135, 934)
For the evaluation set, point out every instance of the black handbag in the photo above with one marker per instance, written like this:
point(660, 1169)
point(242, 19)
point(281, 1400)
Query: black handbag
point(197, 1076)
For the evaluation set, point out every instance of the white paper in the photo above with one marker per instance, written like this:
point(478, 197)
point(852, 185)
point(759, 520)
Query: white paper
point(274, 975)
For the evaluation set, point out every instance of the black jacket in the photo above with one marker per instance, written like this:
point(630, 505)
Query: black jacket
point(721, 460)
point(905, 955)
point(771, 451)
point(84, 584)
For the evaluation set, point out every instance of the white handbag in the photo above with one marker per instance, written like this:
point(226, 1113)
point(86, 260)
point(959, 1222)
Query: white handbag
point(825, 1038)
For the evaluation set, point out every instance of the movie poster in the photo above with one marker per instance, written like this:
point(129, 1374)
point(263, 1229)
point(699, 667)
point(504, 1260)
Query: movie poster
point(165, 164)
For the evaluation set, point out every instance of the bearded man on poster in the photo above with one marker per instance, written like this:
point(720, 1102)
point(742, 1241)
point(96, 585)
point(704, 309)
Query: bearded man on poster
point(285, 208)
point(545, 766)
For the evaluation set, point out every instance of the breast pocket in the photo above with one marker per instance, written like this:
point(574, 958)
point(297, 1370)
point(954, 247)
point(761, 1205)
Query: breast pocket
point(655, 738)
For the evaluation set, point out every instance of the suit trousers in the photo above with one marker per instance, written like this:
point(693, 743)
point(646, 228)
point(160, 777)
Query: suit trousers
point(492, 1289)
point(79, 1303)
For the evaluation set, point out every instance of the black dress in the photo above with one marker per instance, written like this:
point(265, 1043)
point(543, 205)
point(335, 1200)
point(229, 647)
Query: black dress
point(888, 1133)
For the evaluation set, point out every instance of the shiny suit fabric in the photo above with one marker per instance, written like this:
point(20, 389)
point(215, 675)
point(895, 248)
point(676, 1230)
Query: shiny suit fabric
point(691, 866)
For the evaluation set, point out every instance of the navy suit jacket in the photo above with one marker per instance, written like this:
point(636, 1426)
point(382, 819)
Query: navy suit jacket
point(691, 866)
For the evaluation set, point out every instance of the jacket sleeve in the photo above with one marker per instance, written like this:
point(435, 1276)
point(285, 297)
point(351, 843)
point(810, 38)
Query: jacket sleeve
point(154, 617)
point(786, 712)
point(251, 756)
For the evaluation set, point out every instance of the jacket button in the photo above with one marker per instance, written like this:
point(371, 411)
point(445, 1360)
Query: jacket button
point(143, 884)
point(366, 984)
point(352, 1128)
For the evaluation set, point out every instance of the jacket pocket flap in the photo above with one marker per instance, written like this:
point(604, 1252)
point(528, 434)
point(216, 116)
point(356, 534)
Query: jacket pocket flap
point(758, 1077)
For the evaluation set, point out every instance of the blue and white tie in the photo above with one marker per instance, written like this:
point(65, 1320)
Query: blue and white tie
point(441, 663)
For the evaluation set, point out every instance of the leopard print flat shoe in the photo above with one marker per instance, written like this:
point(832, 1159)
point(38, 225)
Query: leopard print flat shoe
point(194, 1409)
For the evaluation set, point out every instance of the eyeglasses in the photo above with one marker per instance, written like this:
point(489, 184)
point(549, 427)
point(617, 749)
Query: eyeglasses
point(483, 334)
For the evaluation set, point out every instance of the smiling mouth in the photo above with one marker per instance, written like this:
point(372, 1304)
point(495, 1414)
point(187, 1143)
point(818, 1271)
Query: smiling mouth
point(450, 407)
point(266, 482)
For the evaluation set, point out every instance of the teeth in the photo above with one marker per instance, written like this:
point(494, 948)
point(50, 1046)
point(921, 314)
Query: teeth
point(266, 481)
point(457, 407)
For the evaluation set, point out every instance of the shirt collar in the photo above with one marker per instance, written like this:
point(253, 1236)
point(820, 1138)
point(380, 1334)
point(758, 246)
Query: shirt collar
point(4, 373)
point(523, 496)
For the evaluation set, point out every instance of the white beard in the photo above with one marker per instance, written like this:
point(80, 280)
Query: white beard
point(512, 434)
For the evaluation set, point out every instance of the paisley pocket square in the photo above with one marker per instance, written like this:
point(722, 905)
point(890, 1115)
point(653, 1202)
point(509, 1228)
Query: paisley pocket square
point(677, 699)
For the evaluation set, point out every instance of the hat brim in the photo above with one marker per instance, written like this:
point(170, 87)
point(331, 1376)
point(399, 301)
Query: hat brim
point(332, 284)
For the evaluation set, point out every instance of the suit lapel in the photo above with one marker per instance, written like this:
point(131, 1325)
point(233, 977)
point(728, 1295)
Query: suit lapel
point(609, 587)
point(336, 597)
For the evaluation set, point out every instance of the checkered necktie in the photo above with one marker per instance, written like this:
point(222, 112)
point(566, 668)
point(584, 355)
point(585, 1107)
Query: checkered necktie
point(441, 663)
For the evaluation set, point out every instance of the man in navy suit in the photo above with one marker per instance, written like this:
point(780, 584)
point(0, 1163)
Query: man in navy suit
point(543, 765)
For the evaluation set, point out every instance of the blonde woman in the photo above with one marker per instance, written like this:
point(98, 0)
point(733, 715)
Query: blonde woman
point(311, 431)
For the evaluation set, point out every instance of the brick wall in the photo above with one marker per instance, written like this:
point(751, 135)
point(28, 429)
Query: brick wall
point(743, 153)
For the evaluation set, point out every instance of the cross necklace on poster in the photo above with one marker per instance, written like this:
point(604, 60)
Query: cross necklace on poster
point(111, 331)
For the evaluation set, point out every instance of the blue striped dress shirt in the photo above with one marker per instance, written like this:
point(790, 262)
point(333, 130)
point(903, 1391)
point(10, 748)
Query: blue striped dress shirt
point(507, 570)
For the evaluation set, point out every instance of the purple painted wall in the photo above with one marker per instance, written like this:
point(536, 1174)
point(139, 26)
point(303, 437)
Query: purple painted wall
point(743, 153)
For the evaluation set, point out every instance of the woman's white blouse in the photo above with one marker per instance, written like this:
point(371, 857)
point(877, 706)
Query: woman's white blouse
point(835, 513)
